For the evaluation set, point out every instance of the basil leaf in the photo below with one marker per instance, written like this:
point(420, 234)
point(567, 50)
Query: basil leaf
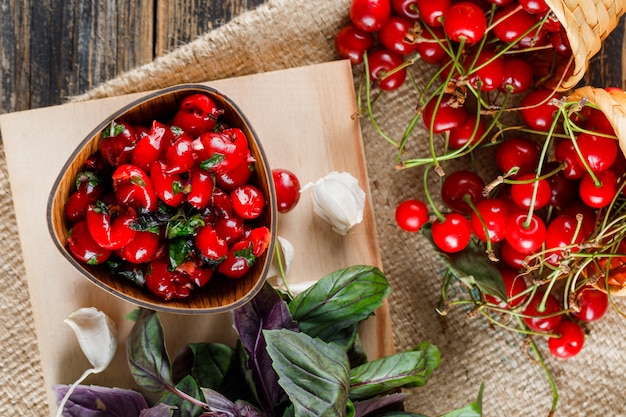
point(379, 404)
point(178, 252)
point(147, 358)
point(89, 400)
point(265, 311)
point(159, 410)
point(474, 409)
point(406, 369)
point(207, 363)
point(183, 407)
point(339, 300)
point(181, 225)
point(313, 373)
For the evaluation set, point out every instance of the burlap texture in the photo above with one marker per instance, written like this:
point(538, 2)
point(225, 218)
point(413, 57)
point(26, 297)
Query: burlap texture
point(291, 33)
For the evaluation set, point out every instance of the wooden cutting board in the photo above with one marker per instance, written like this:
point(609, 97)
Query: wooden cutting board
point(303, 117)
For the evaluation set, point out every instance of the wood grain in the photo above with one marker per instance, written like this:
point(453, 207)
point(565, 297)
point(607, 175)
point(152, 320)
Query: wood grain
point(51, 50)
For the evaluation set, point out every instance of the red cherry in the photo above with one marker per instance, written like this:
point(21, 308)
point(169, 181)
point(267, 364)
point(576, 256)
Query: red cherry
point(287, 188)
point(382, 62)
point(197, 114)
point(517, 152)
point(432, 12)
point(562, 232)
point(83, 247)
point(494, 213)
point(460, 185)
point(565, 152)
point(452, 234)
point(540, 316)
point(351, 43)
point(514, 285)
point(512, 23)
point(563, 190)
point(471, 132)
point(210, 244)
point(570, 340)
point(534, 6)
point(537, 111)
point(517, 75)
point(511, 257)
point(141, 248)
point(406, 8)
point(117, 143)
point(465, 21)
point(393, 35)
point(592, 304)
point(248, 201)
point(599, 152)
point(525, 235)
point(485, 69)
point(369, 15)
point(427, 46)
point(601, 195)
point(238, 261)
point(528, 190)
point(442, 116)
point(411, 215)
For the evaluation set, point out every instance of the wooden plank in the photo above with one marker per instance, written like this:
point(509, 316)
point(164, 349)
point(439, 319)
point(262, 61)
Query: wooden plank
point(606, 69)
point(180, 22)
point(278, 105)
point(51, 50)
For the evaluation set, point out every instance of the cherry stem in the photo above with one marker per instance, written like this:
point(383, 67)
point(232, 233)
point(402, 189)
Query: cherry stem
point(436, 211)
point(542, 363)
point(370, 111)
point(468, 200)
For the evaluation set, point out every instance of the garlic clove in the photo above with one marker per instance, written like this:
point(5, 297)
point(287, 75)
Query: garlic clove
point(96, 334)
point(339, 200)
point(287, 255)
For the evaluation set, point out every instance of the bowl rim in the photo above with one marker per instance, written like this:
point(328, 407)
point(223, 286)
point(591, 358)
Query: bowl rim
point(142, 303)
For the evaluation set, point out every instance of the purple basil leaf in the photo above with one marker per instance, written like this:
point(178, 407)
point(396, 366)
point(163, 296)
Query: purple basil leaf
point(147, 358)
point(95, 401)
point(247, 410)
point(378, 404)
point(266, 311)
point(218, 404)
point(183, 407)
point(159, 410)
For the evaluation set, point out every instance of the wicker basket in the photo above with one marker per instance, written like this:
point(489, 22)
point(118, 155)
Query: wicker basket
point(612, 103)
point(587, 23)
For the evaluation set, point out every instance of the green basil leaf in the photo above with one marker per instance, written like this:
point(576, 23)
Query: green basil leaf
point(179, 250)
point(402, 370)
point(339, 300)
point(184, 407)
point(207, 363)
point(474, 409)
point(313, 373)
point(147, 358)
point(181, 225)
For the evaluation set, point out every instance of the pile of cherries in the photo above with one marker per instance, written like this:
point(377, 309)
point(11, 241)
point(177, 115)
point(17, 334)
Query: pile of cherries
point(170, 204)
point(548, 221)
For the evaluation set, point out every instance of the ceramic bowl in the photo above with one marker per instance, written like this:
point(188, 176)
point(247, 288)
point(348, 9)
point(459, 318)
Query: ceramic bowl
point(220, 294)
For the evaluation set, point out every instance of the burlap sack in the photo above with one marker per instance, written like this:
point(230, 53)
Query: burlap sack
point(290, 33)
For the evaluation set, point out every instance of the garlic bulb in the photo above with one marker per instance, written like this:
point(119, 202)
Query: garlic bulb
point(339, 200)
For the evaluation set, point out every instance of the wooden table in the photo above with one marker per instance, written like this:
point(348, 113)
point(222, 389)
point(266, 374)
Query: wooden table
point(52, 49)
